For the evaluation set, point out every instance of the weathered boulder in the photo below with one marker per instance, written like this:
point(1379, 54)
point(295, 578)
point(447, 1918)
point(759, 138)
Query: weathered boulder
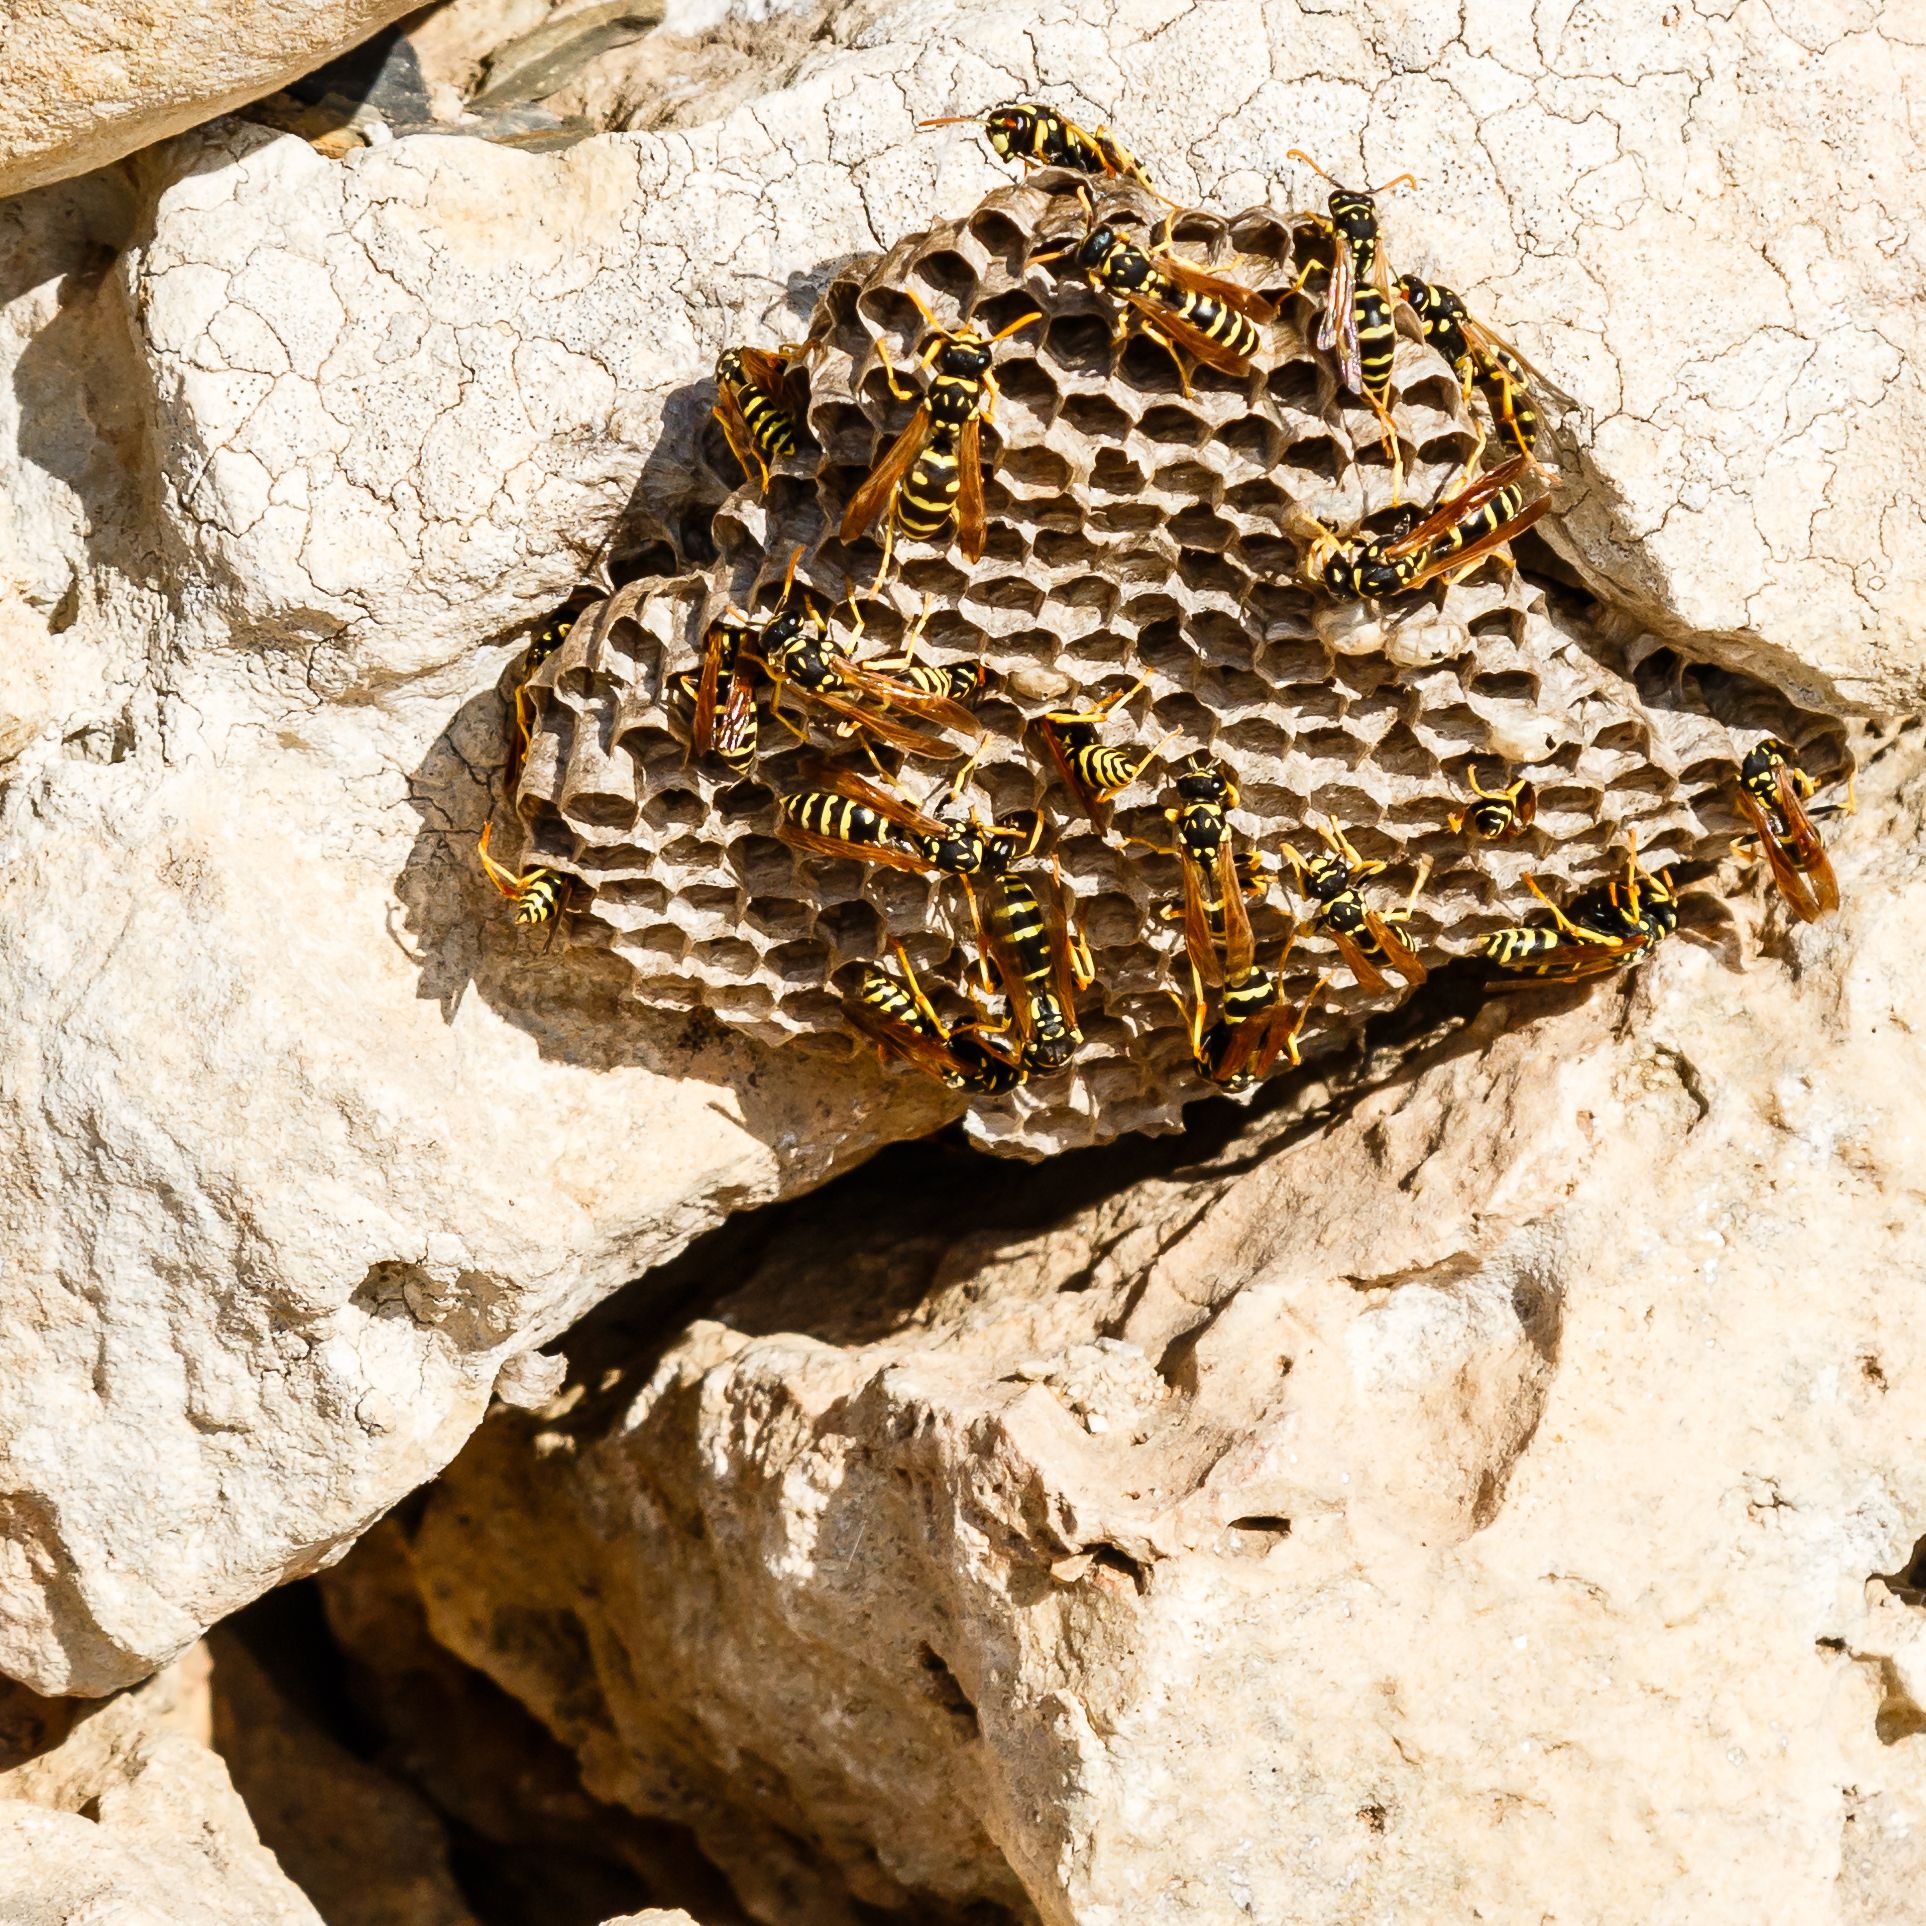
point(119, 1815)
point(300, 1149)
point(1499, 1495)
point(81, 86)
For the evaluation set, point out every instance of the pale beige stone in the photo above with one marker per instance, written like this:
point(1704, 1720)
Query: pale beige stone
point(83, 85)
point(1488, 1516)
point(129, 1820)
point(300, 1149)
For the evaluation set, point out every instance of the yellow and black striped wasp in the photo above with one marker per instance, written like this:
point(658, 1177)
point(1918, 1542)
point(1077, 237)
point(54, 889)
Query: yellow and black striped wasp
point(759, 402)
point(797, 650)
point(1179, 306)
point(844, 814)
point(1605, 928)
point(1773, 793)
point(1451, 540)
point(1357, 320)
point(1482, 361)
point(547, 640)
point(1038, 136)
point(931, 480)
point(720, 696)
point(1041, 958)
point(1094, 772)
point(1496, 815)
point(1366, 938)
point(537, 894)
point(901, 1021)
point(1254, 1026)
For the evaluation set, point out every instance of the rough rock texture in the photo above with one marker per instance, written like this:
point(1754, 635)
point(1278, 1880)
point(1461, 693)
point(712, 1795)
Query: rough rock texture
point(83, 85)
point(364, 1848)
point(1495, 1498)
point(119, 1815)
point(299, 1149)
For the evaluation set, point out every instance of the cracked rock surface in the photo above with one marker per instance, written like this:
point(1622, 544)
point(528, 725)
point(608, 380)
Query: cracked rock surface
point(1497, 1499)
point(300, 1147)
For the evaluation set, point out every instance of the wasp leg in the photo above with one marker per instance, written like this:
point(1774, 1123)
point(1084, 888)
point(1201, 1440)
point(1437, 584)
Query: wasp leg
point(1156, 334)
point(1417, 887)
point(1394, 452)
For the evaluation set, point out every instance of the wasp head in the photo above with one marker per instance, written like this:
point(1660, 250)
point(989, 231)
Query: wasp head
point(1012, 128)
point(729, 365)
point(1763, 761)
point(1327, 875)
point(1355, 216)
point(1203, 780)
point(964, 356)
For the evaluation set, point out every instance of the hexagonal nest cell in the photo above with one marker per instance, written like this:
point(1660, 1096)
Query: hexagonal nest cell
point(1133, 530)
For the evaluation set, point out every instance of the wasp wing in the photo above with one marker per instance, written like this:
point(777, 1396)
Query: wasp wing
point(735, 431)
point(1213, 354)
point(1200, 930)
point(1233, 294)
point(884, 727)
point(878, 493)
point(1238, 948)
point(1448, 513)
point(702, 728)
point(1397, 952)
point(1367, 973)
point(970, 524)
point(1339, 327)
point(922, 1048)
point(878, 685)
point(1474, 552)
point(1801, 888)
point(1092, 804)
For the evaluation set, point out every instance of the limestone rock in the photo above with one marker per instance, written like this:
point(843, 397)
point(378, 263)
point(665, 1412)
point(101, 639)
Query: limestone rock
point(299, 1148)
point(364, 1848)
point(129, 1820)
point(1497, 1494)
point(80, 86)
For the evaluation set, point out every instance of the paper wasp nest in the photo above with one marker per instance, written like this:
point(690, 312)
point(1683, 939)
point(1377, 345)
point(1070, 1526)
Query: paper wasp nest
point(1131, 530)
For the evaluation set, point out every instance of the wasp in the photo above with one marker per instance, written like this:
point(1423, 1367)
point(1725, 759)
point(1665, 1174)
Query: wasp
point(1093, 771)
point(1180, 307)
point(759, 403)
point(1042, 960)
point(1365, 937)
point(961, 682)
point(536, 893)
point(1219, 878)
point(1482, 361)
point(721, 696)
point(1497, 815)
point(1254, 1026)
point(1451, 540)
point(547, 640)
point(1357, 320)
point(1773, 793)
point(1038, 136)
point(851, 817)
point(796, 649)
point(932, 477)
point(901, 1021)
point(1605, 928)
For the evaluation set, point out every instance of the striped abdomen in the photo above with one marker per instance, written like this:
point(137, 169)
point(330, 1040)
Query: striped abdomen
point(926, 502)
point(1103, 770)
point(1501, 508)
point(890, 1000)
point(770, 427)
point(1250, 996)
point(1376, 338)
point(1502, 380)
point(1518, 949)
point(840, 819)
point(1234, 332)
point(538, 896)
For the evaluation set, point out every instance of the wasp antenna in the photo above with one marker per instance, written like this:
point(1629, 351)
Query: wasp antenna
point(1399, 180)
point(1003, 334)
point(1297, 153)
point(954, 120)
